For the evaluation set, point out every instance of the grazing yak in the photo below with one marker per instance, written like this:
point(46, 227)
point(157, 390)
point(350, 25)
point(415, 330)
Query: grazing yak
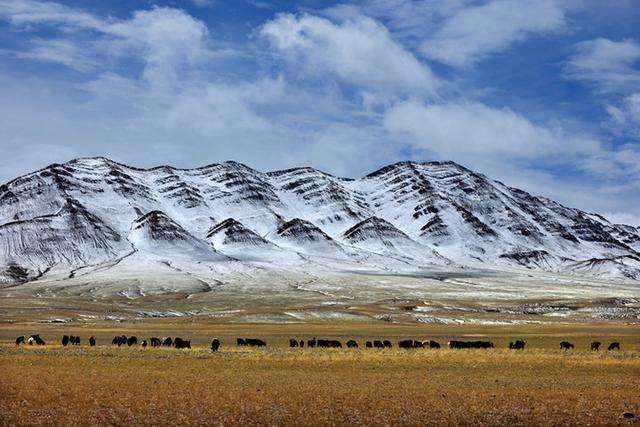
point(352, 344)
point(240, 342)
point(595, 346)
point(92, 341)
point(65, 340)
point(301, 343)
point(155, 342)
point(132, 341)
point(405, 344)
point(329, 344)
point(566, 345)
point(470, 344)
point(180, 343)
point(255, 342)
point(517, 345)
point(614, 346)
point(378, 344)
point(368, 344)
point(387, 344)
point(408, 344)
point(167, 342)
point(119, 340)
point(311, 343)
point(434, 344)
point(293, 343)
point(215, 344)
point(35, 339)
point(20, 340)
point(74, 340)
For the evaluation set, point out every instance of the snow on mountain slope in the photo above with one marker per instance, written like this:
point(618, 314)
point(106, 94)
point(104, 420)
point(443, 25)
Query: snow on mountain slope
point(379, 236)
point(156, 233)
point(232, 238)
point(302, 236)
point(624, 266)
point(72, 236)
point(94, 210)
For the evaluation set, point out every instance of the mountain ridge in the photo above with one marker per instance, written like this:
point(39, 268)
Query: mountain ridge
point(440, 209)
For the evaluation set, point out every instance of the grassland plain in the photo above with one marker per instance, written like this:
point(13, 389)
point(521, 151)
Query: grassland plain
point(106, 385)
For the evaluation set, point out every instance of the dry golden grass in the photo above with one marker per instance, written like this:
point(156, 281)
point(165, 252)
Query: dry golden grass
point(123, 386)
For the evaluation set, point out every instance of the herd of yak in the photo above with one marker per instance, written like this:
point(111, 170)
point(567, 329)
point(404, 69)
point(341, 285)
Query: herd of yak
point(177, 342)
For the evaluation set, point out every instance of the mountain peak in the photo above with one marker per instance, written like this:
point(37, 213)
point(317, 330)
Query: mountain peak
point(94, 208)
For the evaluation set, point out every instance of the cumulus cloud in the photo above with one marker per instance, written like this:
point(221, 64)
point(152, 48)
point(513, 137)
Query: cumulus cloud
point(475, 32)
point(167, 40)
point(152, 86)
point(471, 129)
point(625, 117)
point(606, 64)
point(358, 50)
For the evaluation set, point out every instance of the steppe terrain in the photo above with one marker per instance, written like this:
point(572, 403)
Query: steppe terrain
point(277, 385)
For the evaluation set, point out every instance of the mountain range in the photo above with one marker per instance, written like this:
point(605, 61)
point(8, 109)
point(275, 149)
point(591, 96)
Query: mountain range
point(96, 218)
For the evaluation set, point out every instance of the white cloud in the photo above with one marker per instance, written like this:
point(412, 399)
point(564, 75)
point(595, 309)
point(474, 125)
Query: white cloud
point(178, 105)
point(468, 130)
point(64, 52)
point(625, 117)
point(167, 40)
point(607, 64)
point(623, 218)
point(475, 32)
point(358, 50)
point(25, 12)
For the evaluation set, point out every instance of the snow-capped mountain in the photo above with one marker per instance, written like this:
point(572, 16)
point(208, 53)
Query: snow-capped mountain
point(94, 211)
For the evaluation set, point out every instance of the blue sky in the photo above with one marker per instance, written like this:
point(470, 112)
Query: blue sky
point(540, 94)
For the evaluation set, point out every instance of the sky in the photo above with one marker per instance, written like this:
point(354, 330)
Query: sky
point(543, 95)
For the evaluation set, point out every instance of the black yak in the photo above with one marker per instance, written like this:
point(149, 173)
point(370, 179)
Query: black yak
point(387, 344)
point(614, 346)
point(352, 344)
point(20, 340)
point(470, 344)
point(368, 344)
point(119, 340)
point(329, 344)
point(215, 344)
point(92, 341)
point(405, 344)
point(293, 343)
point(517, 345)
point(155, 342)
point(167, 342)
point(595, 346)
point(65, 340)
point(132, 341)
point(255, 342)
point(566, 345)
point(180, 343)
point(143, 343)
point(35, 339)
point(434, 344)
